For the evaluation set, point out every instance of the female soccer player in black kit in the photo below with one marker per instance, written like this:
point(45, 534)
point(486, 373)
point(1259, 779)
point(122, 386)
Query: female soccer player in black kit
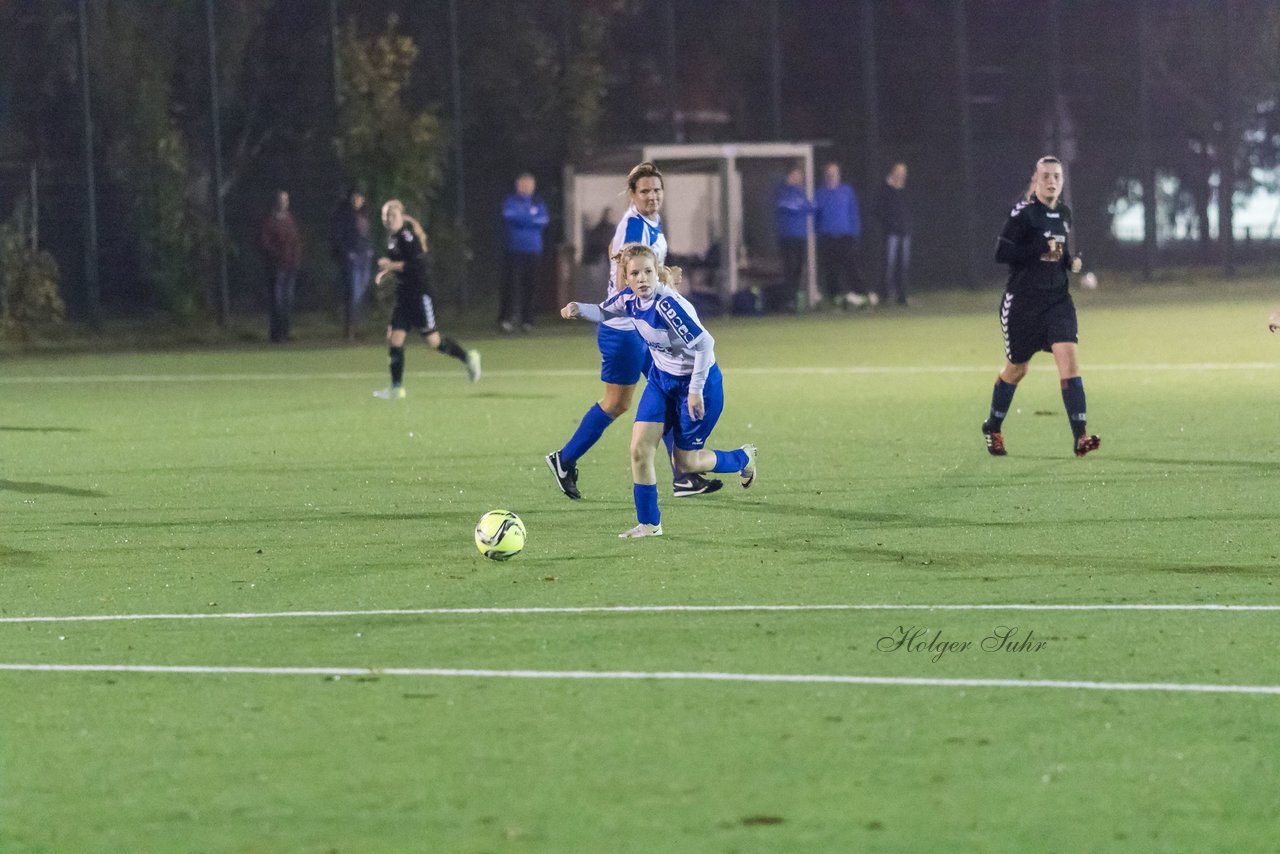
point(415, 308)
point(1036, 312)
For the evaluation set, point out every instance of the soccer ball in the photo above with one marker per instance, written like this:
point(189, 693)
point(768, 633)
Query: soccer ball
point(500, 535)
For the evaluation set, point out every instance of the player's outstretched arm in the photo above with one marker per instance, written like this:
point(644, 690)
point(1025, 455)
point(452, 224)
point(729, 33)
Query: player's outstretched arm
point(586, 310)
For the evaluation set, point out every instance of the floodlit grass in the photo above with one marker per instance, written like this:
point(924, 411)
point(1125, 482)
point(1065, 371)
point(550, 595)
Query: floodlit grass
point(257, 480)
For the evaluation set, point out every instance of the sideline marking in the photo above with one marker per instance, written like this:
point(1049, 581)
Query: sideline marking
point(856, 370)
point(797, 678)
point(628, 609)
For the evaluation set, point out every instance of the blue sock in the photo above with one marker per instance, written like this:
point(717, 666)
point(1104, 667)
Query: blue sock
point(729, 461)
point(588, 433)
point(1073, 399)
point(1001, 399)
point(669, 439)
point(646, 495)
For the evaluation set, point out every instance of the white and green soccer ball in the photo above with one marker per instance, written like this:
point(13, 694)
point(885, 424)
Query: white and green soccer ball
point(500, 535)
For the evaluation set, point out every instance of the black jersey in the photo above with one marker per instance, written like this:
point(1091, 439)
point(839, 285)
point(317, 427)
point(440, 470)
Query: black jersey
point(405, 246)
point(1025, 239)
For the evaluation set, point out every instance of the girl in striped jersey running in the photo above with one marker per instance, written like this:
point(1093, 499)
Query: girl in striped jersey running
point(684, 392)
point(623, 355)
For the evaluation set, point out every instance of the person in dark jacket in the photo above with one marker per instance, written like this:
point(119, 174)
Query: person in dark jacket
point(525, 216)
point(1036, 311)
point(595, 245)
point(895, 230)
point(351, 239)
point(281, 245)
point(793, 210)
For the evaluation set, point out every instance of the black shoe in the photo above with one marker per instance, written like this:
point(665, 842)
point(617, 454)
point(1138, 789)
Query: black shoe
point(995, 441)
point(566, 478)
point(694, 484)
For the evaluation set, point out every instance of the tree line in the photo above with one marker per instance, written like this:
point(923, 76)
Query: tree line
point(1161, 100)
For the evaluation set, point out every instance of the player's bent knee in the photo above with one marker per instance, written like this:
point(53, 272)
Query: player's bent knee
point(616, 401)
point(1013, 373)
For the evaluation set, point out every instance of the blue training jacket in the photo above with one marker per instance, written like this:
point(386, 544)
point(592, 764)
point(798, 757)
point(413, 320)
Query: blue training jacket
point(525, 217)
point(792, 209)
point(837, 211)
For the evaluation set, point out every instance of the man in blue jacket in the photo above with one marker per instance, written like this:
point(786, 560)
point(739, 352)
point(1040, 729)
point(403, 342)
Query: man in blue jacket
point(793, 209)
point(839, 226)
point(525, 216)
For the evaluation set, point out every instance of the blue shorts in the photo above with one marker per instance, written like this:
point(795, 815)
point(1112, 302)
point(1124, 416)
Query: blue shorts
point(666, 401)
point(624, 357)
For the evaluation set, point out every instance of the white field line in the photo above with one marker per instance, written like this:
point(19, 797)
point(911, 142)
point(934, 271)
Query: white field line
point(839, 370)
point(631, 609)
point(791, 678)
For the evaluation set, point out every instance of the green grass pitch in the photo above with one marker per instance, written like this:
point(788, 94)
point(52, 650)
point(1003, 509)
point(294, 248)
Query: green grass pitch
point(264, 481)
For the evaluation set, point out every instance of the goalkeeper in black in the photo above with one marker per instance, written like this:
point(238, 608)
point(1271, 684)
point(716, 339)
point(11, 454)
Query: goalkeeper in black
point(1036, 311)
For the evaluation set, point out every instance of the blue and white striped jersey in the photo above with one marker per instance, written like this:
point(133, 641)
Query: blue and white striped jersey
point(669, 324)
point(633, 228)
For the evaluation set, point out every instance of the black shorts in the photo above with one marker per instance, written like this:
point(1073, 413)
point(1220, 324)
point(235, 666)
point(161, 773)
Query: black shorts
point(414, 311)
point(1033, 323)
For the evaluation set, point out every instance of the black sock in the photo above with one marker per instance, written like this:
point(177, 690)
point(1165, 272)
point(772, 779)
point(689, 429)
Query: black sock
point(452, 348)
point(1073, 399)
point(1001, 399)
point(397, 365)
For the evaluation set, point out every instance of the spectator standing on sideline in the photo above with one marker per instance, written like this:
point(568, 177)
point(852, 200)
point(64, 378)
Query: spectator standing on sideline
point(793, 209)
point(596, 240)
point(525, 216)
point(281, 245)
point(595, 244)
point(352, 243)
point(839, 226)
point(895, 229)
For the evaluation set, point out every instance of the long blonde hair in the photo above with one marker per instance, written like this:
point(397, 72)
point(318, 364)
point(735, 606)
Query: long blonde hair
point(637, 250)
point(396, 204)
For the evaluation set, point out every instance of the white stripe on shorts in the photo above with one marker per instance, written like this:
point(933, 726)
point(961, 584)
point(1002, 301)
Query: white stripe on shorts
point(1004, 324)
point(429, 309)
